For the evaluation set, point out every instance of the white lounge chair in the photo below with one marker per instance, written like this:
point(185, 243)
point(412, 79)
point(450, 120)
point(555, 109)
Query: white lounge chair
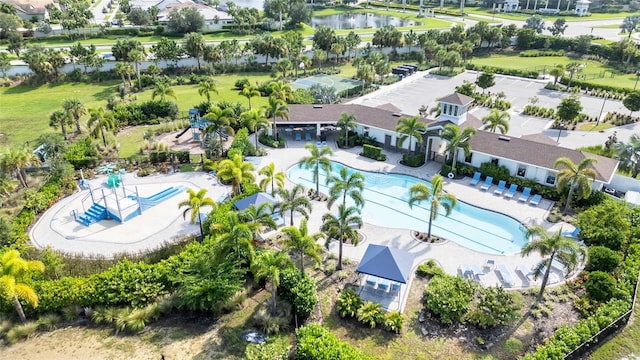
point(505, 275)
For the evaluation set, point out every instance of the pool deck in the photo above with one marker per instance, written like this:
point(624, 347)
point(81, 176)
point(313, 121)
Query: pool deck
point(164, 222)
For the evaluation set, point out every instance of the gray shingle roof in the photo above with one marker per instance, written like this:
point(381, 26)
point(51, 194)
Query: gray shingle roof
point(537, 153)
point(457, 99)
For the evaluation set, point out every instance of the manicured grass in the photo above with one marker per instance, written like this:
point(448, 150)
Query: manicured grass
point(26, 109)
point(594, 72)
point(523, 17)
point(590, 126)
point(131, 140)
point(610, 26)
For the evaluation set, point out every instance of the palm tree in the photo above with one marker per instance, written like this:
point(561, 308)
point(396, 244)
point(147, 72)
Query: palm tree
point(437, 197)
point(271, 177)
point(15, 160)
point(254, 120)
point(219, 121)
point(573, 68)
point(300, 241)
point(457, 139)
point(347, 123)
point(277, 107)
point(316, 161)
point(576, 177)
point(234, 237)
point(497, 120)
point(294, 200)
point(75, 108)
point(237, 171)
point(13, 268)
point(551, 247)
point(557, 71)
point(410, 128)
point(258, 218)
point(137, 57)
point(60, 119)
point(629, 155)
point(346, 184)
point(281, 91)
point(195, 202)
point(269, 266)
point(249, 91)
point(122, 69)
point(205, 88)
point(342, 227)
point(162, 89)
point(99, 122)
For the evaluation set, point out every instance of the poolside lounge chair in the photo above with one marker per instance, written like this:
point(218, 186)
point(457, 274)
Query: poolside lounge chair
point(572, 234)
point(370, 282)
point(383, 285)
point(511, 191)
point(487, 183)
point(476, 179)
point(525, 194)
point(505, 275)
point(477, 270)
point(465, 270)
point(298, 137)
point(535, 200)
point(489, 265)
point(524, 271)
point(318, 143)
point(500, 188)
point(395, 288)
point(324, 143)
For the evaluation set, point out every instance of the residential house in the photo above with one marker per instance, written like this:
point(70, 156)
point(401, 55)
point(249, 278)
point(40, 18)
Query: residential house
point(28, 10)
point(213, 18)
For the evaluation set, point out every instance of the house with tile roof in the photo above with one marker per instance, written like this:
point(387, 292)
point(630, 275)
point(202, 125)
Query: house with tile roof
point(30, 9)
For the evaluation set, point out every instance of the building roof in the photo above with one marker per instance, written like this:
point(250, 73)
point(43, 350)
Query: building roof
point(537, 153)
point(331, 113)
point(256, 200)
point(387, 263)
point(207, 12)
point(30, 7)
point(540, 138)
point(457, 99)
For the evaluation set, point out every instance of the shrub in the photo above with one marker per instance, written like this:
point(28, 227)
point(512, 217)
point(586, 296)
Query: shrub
point(370, 313)
point(601, 258)
point(21, 332)
point(393, 321)
point(240, 83)
point(448, 297)
point(314, 342)
point(413, 160)
point(495, 307)
point(373, 152)
point(497, 172)
point(430, 268)
point(348, 303)
point(242, 142)
point(300, 290)
point(504, 71)
point(601, 286)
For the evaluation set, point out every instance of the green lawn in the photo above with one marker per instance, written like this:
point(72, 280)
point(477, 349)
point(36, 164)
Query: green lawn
point(593, 70)
point(623, 344)
point(523, 17)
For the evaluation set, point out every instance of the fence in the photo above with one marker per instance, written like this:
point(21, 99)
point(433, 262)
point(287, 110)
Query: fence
point(600, 338)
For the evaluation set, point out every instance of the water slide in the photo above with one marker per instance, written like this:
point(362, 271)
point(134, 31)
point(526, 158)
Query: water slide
point(183, 131)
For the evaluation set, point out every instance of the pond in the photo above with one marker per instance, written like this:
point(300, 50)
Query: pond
point(360, 21)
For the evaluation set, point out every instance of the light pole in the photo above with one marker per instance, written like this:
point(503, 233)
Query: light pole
point(602, 109)
point(560, 132)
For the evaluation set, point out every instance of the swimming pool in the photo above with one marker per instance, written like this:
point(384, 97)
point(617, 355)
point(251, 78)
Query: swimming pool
point(386, 204)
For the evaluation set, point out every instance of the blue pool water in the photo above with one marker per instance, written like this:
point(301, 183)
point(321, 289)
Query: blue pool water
point(386, 204)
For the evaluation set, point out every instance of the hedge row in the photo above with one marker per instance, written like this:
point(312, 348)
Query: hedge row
point(540, 53)
point(589, 86)
point(314, 342)
point(497, 70)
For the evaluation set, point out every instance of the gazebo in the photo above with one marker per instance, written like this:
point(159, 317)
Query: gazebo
point(258, 199)
point(387, 271)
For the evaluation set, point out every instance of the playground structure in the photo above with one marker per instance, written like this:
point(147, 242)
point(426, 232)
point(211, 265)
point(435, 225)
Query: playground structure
point(117, 202)
point(198, 125)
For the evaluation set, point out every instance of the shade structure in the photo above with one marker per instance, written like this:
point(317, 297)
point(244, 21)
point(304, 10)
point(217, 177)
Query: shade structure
point(256, 200)
point(387, 263)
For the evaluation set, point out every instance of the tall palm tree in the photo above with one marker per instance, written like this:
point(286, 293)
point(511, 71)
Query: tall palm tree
point(497, 120)
point(163, 89)
point(237, 171)
point(75, 108)
point(249, 91)
point(122, 69)
point(573, 68)
point(137, 57)
point(196, 201)
point(435, 195)
point(269, 265)
point(281, 91)
point(551, 247)
point(410, 128)
point(13, 269)
point(557, 72)
point(346, 184)
point(15, 160)
point(347, 122)
point(300, 241)
point(258, 218)
point(457, 139)
point(629, 155)
point(99, 122)
point(219, 121)
point(60, 119)
point(254, 120)
point(317, 161)
point(205, 88)
point(271, 177)
point(293, 201)
point(342, 227)
point(576, 177)
point(234, 237)
point(277, 107)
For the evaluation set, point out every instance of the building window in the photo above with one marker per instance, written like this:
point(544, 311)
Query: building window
point(455, 111)
point(468, 158)
point(551, 179)
point(522, 171)
point(494, 162)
